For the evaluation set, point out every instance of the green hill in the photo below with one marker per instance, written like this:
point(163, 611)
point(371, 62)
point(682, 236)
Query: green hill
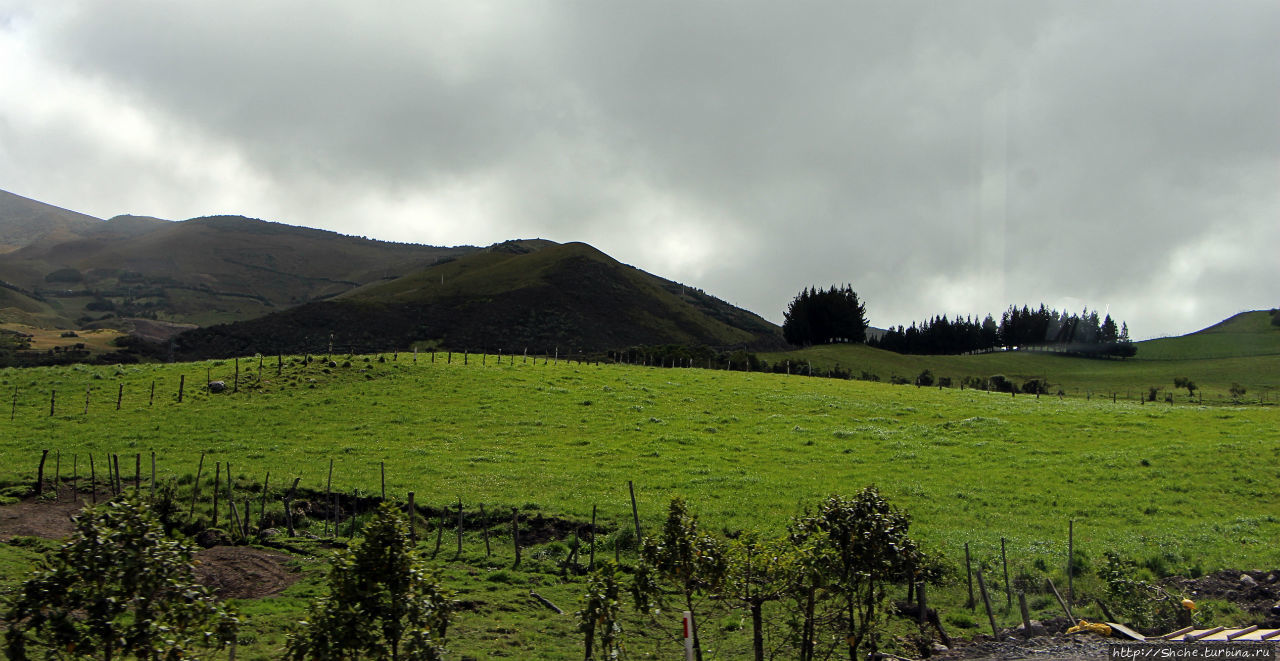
point(1245, 334)
point(1244, 349)
point(513, 296)
point(202, 271)
point(24, 221)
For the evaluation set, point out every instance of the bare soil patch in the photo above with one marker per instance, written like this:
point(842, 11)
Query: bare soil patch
point(243, 572)
point(36, 518)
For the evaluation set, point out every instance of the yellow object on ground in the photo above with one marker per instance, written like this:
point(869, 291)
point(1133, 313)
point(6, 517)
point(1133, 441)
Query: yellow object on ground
point(1188, 604)
point(1092, 627)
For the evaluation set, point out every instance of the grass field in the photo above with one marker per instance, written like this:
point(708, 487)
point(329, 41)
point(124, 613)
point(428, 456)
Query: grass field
point(1244, 349)
point(1182, 486)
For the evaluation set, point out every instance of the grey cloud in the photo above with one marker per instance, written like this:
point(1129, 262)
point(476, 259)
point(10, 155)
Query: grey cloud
point(1015, 152)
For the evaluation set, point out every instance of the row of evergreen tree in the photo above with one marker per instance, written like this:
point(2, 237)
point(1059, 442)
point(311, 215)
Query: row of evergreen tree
point(1019, 328)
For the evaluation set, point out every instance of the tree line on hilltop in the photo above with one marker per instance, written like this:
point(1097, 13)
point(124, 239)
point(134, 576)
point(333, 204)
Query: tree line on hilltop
point(1022, 328)
point(817, 316)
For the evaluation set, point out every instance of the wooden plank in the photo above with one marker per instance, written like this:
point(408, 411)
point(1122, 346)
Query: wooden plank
point(1174, 634)
point(1269, 635)
point(1201, 635)
point(1247, 630)
point(1125, 631)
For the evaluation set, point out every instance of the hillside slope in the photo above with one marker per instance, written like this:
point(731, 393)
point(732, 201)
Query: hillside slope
point(1244, 349)
point(24, 221)
point(80, 270)
point(1245, 334)
point(513, 296)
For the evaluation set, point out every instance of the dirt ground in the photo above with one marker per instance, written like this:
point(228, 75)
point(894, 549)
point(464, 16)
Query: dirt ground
point(243, 572)
point(32, 518)
point(233, 572)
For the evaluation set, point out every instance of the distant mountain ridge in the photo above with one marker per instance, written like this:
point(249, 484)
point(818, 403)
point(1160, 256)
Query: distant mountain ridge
point(80, 270)
point(261, 286)
point(513, 296)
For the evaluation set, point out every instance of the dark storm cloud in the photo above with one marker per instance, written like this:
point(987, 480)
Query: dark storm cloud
point(941, 157)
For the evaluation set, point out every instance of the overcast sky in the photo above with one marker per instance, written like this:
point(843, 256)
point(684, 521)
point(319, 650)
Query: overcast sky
point(941, 157)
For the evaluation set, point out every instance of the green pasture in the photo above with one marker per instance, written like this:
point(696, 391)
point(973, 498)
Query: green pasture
point(1244, 349)
point(1179, 487)
point(746, 449)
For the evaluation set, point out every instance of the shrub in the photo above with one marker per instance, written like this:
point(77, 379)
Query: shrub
point(381, 601)
point(1144, 605)
point(925, 378)
point(118, 587)
point(1035, 387)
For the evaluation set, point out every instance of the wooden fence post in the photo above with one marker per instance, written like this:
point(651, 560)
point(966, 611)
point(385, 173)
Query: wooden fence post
point(923, 614)
point(968, 570)
point(1008, 591)
point(328, 501)
point(635, 512)
point(1071, 537)
point(217, 486)
point(195, 488)
point(262, 507)
point(459, 527)
point(53, 398)
point(44, 454)
point(439, 531)
point(986, 601)
point(288, 510)
point(515, 533)
point(591, 564)
point(119, 396)
point(152, 401)
point(182, 382)
point(413, 519)
point(1026, 615)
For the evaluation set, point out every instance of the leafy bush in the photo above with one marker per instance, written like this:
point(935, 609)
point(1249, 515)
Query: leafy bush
point(381, 601)
point(118, 587)
point(1145, 606)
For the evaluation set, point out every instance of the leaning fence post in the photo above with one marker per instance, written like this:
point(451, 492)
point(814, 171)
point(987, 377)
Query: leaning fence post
point(635, 513)
point(44, 454)
point(982, 585)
